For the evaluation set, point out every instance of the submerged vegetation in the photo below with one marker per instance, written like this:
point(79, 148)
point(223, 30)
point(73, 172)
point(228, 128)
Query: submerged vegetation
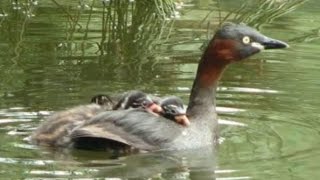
point(129, 31)
point(267, 11)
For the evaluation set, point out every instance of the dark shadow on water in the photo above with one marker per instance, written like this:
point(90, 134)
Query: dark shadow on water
point(167, 165)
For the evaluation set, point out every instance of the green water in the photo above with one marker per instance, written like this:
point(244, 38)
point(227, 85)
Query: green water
point(55, 55)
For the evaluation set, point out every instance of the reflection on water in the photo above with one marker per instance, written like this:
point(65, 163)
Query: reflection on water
point(55, 55)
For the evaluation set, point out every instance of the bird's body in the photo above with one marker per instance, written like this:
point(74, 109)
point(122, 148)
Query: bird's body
point(55, 129)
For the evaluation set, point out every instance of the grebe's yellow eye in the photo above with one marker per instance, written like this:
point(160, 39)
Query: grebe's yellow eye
point(246, 39)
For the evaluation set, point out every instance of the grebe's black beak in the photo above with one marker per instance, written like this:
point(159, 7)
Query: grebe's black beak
point(269, 43)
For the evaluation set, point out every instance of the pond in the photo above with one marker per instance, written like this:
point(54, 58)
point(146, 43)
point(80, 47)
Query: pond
point(56, 54)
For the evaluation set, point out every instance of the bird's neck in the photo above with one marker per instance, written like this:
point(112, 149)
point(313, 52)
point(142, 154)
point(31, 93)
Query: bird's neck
point(202, 98)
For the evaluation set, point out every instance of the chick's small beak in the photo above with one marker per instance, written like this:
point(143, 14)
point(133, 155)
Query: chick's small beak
point(155, 108)
point(269, 43)
point(182, 119)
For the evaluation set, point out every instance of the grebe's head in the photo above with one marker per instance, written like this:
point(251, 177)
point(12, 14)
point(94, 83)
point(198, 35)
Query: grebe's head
point(234, 42)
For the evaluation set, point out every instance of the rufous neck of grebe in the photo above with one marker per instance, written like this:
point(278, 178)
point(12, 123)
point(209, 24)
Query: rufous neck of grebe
point(215, 59)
